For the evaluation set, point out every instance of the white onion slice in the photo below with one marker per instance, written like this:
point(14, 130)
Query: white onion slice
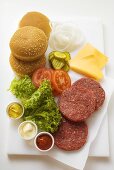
point(65, 37)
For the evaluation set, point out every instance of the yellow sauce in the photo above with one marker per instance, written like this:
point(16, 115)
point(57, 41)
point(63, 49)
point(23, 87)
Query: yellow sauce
point(15, 110)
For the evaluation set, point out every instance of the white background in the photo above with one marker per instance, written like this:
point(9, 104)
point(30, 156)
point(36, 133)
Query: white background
point(8, 9)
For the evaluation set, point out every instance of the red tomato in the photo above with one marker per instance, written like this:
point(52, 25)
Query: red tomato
point(55, 93)
point(60, 80)
point(40, 75)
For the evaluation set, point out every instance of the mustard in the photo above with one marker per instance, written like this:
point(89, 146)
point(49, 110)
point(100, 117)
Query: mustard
point(15, 110)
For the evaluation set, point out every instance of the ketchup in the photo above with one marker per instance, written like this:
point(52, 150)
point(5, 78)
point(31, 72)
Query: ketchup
point(44, 142)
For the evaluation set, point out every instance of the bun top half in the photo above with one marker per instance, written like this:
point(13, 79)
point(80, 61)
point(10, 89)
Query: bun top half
point(38, 20)
point(28, 43)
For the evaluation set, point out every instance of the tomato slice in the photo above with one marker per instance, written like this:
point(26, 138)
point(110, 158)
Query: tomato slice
point(60, 80)
point(40, 75)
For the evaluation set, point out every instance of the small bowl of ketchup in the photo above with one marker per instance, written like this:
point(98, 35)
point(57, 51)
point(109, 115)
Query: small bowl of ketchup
point(44, 141)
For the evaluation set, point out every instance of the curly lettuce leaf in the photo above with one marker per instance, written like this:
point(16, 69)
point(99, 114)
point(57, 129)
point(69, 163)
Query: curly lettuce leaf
point(40, 95)
point(42, 109)
point(39, 104)
point(47, 119)
point(22, 88)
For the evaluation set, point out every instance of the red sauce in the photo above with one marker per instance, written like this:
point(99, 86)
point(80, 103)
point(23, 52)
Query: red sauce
point(44, 142)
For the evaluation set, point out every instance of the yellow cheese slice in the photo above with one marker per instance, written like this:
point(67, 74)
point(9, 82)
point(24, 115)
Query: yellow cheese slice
point(86, 67)
point(89, 52)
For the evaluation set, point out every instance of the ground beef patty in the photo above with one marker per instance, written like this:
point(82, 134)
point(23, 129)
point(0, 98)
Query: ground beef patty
point(71, 136)
point(77, 104)
point(93, 85)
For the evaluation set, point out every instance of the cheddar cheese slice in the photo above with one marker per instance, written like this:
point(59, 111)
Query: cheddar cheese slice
point(89, 61)
point(86, 67)
point(89, 52)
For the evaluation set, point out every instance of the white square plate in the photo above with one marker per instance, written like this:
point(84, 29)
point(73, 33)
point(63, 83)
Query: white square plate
point(93, 30)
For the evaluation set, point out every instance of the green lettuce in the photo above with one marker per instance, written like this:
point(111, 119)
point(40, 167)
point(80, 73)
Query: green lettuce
point(22, 88)
point(39, 104)
point(47, 116)
point(43, 93)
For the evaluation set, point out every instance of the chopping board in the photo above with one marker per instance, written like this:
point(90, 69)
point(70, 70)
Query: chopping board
point(93, 30)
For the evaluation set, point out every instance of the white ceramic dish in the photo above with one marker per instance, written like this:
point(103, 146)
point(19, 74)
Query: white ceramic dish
point(44, 133)
point(26, 137)
point(7, 110)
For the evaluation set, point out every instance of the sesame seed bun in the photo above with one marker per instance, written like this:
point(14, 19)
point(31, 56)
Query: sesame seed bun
point(22, 68)
point(28, 43)
point(38, 20)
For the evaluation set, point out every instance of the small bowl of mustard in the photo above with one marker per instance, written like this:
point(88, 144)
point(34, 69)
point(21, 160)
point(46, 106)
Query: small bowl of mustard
point(15, 110)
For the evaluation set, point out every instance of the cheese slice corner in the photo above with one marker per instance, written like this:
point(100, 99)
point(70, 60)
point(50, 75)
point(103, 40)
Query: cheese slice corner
point(86, 68)
point(89, 52)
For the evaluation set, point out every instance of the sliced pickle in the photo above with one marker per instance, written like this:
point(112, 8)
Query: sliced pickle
point(66, 67)
point(57, 64)
point(59, 55)
point(67, 56)
point(51, 55)
point(59, 60)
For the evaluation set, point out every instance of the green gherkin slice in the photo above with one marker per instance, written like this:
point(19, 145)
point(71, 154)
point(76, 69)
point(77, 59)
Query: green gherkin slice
point(51, 55)
point(57, 64)
point(59, 55)
point(66, 67)
point(67, 56)
point(59, 60)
